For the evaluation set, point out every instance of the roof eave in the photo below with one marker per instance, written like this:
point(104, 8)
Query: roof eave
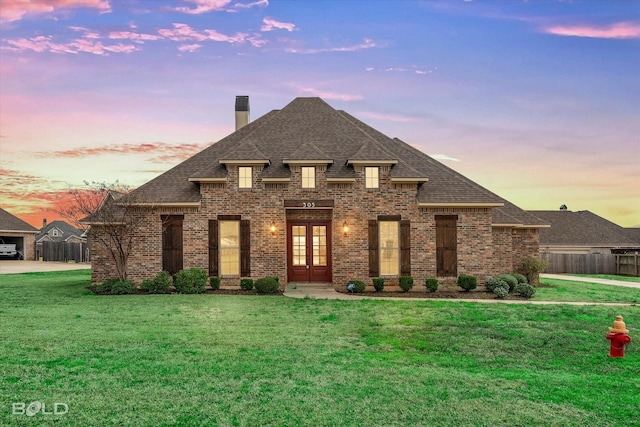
point(209, 180)
point(359, 162)
point(459, 205)
point(242, 162)
point(309, 162)
point(399, 180)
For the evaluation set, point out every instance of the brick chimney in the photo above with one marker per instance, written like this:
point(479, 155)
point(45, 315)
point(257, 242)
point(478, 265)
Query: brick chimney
point(242, 111)
point(44, 222)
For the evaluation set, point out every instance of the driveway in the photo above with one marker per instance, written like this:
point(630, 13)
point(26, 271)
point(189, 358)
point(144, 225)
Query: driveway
point(13, 267)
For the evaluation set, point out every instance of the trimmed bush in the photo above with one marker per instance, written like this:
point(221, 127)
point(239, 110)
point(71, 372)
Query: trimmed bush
point(525, 290)
point(246, 284)
point(406, 283)
point(378, 284)
point(519, 277)
point(532, 266)
point(161, 284)
point(511, 281)
point(431, 284)
point(492, 282)
point(501, 290)
point(358, 286)
point(467, 282)
point(215, 283)
point(267, 285)
point(191, 281)
point(116, 287)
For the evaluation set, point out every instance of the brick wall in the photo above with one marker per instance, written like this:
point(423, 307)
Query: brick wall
point(481, 251)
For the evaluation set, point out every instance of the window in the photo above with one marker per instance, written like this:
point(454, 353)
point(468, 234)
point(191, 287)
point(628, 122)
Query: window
point(244, 177)
point(54, 232)
point(371, 177)
point(230, 248)
point(389, 248)
point(308, 177)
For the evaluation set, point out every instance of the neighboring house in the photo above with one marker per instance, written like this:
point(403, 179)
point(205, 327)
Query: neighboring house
point(59, 241)
point(312, 194)
point(584, 232)
point(14, 231)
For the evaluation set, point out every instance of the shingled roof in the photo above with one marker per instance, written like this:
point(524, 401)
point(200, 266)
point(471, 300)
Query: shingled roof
point(310, 129)
point(14, 224)
point(582, 228)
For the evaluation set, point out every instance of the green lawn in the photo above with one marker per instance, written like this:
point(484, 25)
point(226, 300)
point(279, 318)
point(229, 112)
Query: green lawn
point(276, 361)
point(567, 290)
point(608, 276)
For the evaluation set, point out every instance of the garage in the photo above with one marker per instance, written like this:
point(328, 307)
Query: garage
point(14, 231)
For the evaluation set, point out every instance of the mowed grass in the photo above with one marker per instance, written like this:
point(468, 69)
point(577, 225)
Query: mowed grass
point(608, 276)
point(184, 360)
point(573, 291)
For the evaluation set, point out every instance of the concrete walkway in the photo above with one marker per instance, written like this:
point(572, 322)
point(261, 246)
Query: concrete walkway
point(326, 291)
point(15, 267)
point(592, 280)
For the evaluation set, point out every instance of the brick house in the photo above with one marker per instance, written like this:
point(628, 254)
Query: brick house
point(312, 194)
point(14, 231)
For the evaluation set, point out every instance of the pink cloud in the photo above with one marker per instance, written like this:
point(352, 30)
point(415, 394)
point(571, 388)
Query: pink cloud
point(161, 151)
point(15, 10)
point(621, 30)
point(331, 95)
point(203, 6)
point(218, 37)
point(135, 37)
point(46, 44)
point(260, 3)
point(189, 47)
point(366, 44)
point(270, 24)
point(181, 32)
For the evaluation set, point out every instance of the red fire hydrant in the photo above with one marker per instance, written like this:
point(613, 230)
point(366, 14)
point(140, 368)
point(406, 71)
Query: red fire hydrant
point(618, 337)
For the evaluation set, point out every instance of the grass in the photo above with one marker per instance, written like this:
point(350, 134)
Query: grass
point(572, 291)
point(274, 361)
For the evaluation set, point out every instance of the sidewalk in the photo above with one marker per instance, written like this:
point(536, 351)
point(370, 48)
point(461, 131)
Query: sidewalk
point(16, 267)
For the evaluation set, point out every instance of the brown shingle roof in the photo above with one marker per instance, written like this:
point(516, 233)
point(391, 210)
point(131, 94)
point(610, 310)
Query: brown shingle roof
point(309, 127)
point(10, 222)
point(582, 228)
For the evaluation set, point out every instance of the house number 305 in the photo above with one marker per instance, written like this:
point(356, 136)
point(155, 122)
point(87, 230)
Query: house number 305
point(308, 205)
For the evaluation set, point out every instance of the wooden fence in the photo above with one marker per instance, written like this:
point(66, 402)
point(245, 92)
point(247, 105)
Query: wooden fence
point(623, 265)
point(63, 251)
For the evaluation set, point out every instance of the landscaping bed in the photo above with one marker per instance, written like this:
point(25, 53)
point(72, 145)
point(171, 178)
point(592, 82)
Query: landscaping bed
point(433, 295)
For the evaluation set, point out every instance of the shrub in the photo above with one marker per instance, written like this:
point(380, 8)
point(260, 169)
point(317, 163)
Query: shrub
point(431, 284)
point(532, 266)
point(525, 290)
point(492, 282)
point(116, 287)
point(358, 286)
point(467, 282)
point(511, 281)
point(267, 285)
point(406, 283)
point(519, 277)
point(158, 285)
point(215, 283)
point(246, 284)
point(378, 284)
point(501, 289)
point(191, 281)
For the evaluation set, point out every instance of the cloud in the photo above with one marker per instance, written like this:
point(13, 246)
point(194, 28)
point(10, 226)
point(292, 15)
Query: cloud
point(135, 37)
point(183, 32)
point(161, 151)
point(15, 10)
point(189, 47)
point(331, 95)
point(620, 30)
point(389, 117)
point(269, 24)
point(366, 44)
point(46, 44)
point(203, 6)
point(260, 3)
point(412, 69)
point(444, 157)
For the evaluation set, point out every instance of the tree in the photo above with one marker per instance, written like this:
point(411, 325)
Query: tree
point(531, 267)
point(112, 214)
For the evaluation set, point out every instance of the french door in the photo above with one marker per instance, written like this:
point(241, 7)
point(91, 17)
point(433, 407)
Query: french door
point(309, 251)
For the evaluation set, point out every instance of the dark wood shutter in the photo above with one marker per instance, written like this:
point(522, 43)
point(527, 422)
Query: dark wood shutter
point(213, 247)
point(374, 253)
point(245, 248)
point(172, 255)
point(446, 245)
point(405, 247)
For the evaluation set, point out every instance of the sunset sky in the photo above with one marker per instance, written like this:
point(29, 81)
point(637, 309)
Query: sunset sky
point(537, 100)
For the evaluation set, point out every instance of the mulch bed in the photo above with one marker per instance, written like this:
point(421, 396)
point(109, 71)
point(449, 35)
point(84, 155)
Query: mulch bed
point(435, 295)
point(206, 291)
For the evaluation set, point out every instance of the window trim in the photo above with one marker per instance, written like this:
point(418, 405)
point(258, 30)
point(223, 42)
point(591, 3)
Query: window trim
point(370, 178)
point(309, 179)
point(243, 179)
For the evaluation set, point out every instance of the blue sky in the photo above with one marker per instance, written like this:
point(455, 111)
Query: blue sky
point(539, 101)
